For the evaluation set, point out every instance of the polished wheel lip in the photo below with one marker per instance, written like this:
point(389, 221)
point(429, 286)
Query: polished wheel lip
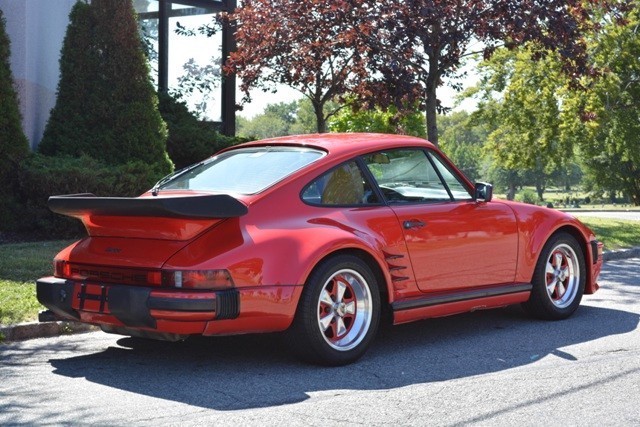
point(562, 275)
point(345, 309)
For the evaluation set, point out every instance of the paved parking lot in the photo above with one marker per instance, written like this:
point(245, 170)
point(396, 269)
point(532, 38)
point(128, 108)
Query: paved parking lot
point(486, 368)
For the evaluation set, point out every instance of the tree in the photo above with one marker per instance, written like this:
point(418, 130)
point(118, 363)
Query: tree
point(462, 138)
point(608, 123)
point(312, 46)
point(106, 106)
point(265, 125)
point(522, 100)
point(282, 118)
point(378, 120)
point(418, 43)
point(13, 143)
point(189, 140)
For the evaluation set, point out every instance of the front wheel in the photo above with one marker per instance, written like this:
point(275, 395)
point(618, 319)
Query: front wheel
point(338, 313)
point(559, 279)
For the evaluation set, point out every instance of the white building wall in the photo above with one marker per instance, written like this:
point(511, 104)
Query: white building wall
point(36, 29)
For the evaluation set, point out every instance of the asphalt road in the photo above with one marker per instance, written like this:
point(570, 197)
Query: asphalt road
point(485, 368)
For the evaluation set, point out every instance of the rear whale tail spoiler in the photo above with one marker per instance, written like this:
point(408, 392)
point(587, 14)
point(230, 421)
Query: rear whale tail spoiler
point(194, 207)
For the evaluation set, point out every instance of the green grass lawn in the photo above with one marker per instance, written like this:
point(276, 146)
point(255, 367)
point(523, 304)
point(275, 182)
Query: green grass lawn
point(22, 263)
point(614, 233)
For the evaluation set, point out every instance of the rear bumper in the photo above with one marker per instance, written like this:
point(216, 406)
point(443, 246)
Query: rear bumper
point(164, 310)
point(173, 311)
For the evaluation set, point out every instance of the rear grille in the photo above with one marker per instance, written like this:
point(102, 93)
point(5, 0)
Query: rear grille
point(102, 274)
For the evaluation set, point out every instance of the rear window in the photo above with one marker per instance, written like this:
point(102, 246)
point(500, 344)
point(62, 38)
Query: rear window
point(244, 171)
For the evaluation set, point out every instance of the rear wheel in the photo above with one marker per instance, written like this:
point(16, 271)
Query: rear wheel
point(338, 313)
point(559, 279)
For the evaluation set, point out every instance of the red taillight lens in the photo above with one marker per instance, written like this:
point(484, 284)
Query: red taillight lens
point(104, 274)
point(61, 268)
point(197, 279)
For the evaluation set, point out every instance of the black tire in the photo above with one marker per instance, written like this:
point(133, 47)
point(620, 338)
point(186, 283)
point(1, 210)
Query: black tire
point(558, 280)
point(335, 330)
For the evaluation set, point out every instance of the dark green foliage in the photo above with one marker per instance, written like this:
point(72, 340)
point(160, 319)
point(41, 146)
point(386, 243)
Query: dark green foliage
point(190, 140)
point(106, 106)
point(13, 143)
point(42, 176)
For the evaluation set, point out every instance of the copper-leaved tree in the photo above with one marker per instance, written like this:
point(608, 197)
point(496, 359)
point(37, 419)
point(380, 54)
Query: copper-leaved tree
point(395, 51)
point(313, 46)
point(421, 42)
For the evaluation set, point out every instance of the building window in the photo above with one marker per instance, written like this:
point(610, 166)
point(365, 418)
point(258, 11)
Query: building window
point(176, 59)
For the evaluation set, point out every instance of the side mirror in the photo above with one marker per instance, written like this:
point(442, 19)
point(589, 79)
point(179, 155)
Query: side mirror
point(483, 192)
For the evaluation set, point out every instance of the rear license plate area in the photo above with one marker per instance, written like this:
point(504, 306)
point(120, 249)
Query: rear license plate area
point(91, 297)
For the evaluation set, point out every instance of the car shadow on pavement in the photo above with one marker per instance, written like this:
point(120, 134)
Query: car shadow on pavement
point(240, 372)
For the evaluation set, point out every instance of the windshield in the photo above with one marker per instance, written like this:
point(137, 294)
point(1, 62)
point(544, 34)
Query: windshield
point(244, 171)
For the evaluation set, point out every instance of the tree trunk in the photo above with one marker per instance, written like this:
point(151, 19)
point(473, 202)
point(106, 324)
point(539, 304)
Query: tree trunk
point(431, 100)
point(321, 121)
point(431, 117)
point(540, 191)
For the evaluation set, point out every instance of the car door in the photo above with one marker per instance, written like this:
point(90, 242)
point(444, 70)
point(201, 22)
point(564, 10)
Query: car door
point(454, 242)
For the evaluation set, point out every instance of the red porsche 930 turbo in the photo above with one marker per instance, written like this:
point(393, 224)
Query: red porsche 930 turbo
point(314, 235)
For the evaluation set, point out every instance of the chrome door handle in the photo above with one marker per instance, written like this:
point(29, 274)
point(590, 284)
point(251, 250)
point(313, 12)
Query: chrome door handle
point(413, 223)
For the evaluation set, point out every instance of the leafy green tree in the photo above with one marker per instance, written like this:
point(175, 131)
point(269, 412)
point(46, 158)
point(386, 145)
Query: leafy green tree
point(13, 143)
point(106, 106)
point(523, 100)
point(608, 129)
point(264, 126)
point(283, 118)
point(378, 120)
point(463, 139)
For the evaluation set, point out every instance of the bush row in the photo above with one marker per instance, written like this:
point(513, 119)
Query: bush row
point(42, 176)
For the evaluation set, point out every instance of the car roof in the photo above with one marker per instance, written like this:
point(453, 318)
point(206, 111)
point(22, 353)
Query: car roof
point(338, 144)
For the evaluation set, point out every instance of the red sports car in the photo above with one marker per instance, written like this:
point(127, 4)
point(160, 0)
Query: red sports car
point(314, 235)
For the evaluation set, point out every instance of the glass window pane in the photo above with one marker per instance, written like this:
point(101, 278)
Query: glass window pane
point(406, 176)
point(195, 66)
point(244, 171)
point(344, 185)
point(458, 190)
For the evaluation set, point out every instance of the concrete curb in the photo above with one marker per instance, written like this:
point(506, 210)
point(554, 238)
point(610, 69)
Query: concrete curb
point(25, 331)
point(621, 254)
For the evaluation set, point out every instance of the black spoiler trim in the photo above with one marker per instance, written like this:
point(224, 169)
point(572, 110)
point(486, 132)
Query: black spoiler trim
point(202, 206)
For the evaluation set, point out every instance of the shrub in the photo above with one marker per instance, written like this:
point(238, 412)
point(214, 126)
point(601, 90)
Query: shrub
point(106, 106)
point(14, 146)
point(527, 196)
point(42, 176)
point(190, 140)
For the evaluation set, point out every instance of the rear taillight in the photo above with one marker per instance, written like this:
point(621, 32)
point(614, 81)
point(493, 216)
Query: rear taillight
point(61, 268)
point(188, 279)
point(100, 274)
point(197, 279)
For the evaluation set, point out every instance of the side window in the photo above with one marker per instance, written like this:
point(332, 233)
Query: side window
point(457, 188)
point(344, 185)
point(406, 176)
